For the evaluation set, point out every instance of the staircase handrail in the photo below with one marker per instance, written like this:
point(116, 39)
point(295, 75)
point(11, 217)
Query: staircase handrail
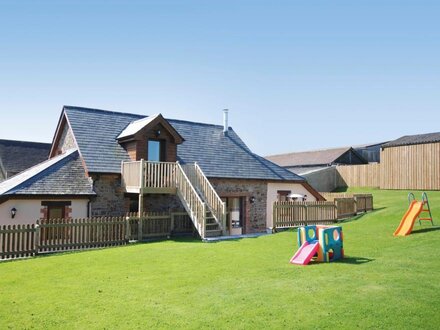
point(194, 203)
point(214, 202)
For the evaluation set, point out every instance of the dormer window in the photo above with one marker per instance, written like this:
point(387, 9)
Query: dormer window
point(151, 138)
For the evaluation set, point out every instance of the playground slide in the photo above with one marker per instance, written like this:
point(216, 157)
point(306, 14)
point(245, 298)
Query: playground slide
point(305, 253)
point(407, 223)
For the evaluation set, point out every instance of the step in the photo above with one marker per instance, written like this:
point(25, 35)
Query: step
point(213, 233)
point(212, 226)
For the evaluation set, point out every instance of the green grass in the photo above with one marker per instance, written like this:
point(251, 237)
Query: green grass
point(385, 282)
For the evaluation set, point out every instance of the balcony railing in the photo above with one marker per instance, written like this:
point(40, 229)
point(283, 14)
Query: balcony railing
point(149, 177)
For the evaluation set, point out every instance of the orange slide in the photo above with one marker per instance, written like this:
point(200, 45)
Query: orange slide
point(407, 223)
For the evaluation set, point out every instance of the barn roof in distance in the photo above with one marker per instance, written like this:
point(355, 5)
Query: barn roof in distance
point(312, 158)
point(17, 156)
point(414, 139)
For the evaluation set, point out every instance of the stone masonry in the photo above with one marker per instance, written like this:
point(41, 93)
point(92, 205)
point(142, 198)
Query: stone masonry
point(66, 140)
point(162, 203)
point(255, 213)
point(110, 200)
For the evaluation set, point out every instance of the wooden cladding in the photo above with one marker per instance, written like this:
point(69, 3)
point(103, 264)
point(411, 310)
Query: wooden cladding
point(414, 167)
point(137, 146)
point(411, 167)
point(358, 175)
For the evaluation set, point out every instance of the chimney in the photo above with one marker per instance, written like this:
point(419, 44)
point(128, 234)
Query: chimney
point(225, 121)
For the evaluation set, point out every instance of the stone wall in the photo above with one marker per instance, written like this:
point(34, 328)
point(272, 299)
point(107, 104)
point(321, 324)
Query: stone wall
point(110, 200)
point(162, 203)
point(66, 141)
point(255, 212)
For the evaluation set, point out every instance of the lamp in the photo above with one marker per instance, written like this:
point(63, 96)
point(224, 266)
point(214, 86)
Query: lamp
point(252, 200)
point(157, 133)
point(13, 212)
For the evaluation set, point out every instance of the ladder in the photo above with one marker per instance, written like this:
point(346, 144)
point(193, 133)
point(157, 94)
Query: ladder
point(426, 207)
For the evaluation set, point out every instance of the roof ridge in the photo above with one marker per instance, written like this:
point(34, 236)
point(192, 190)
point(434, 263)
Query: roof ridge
point(31, 142)
point(315, 150)
point(74, 107)
point(423, 134)
point(197, 123)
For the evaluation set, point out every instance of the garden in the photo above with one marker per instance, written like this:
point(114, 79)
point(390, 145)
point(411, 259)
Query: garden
point(383, 282)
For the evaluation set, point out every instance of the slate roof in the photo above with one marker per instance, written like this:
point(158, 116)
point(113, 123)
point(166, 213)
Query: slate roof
point(221, 156)
point(16, 156)
point(61, 175)
point(308, 158)
point(414, 139)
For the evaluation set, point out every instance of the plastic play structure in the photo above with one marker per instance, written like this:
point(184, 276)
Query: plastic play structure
point(414, 210)
point(322, 242)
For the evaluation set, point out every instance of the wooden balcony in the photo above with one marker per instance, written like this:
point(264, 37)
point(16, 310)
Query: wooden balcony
point(142, 177)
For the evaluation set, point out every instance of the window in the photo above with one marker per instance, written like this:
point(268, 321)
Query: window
point(282, 195)
point(156, 151)
point(56, 210)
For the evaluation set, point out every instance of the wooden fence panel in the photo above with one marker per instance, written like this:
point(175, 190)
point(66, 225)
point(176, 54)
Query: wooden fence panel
point(338, 206)
point(158, 224)
point(361, 202)
point(54, 235)
point(181, 223)
point(368, 175)
point(293, 214)
point(346, 207)
point(73, 234)
point(17, 241)
point(364, 202)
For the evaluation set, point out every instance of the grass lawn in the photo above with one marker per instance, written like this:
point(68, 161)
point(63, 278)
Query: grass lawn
point(384, 282)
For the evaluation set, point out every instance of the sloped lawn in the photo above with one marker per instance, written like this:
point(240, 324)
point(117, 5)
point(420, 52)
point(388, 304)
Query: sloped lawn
point(385, 282)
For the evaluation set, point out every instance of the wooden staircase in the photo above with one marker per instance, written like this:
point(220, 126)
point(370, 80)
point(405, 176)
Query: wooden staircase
point(215, 208)
point(200, 200)
point(212, 227)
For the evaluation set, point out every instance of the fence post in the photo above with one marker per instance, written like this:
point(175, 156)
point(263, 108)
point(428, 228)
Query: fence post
point(127, 229)
point(274, 212)
point(37, 237)
point(306, 214)
point(172, 223)
point(140, 227)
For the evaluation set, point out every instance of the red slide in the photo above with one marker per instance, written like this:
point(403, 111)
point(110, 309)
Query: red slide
point(305, 253)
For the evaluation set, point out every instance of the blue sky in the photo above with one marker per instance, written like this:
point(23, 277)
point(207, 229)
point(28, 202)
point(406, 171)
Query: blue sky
point(296, 75)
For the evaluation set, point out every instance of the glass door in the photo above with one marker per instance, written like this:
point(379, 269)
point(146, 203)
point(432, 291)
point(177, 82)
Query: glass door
point(235, 210)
